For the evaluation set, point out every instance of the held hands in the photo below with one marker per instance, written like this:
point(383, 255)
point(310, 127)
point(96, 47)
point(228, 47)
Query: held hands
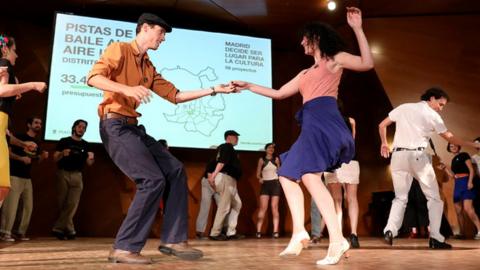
point(385, 150)
point(224, 88)
point(354, 17)
point(240, 85)
point(90, 156)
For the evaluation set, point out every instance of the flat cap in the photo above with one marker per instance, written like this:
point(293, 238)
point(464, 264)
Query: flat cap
point(154, 19)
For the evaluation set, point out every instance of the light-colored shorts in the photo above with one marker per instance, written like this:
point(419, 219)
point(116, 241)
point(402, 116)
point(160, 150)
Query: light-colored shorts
point(348, 173)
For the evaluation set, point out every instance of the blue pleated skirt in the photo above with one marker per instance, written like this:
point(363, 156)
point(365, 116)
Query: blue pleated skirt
point(325, 142)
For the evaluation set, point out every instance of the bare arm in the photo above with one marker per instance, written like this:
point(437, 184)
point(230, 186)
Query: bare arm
point(90, 159)
point(143, 94)
point(471, 173)
point(211, 176)
point(185, 96)
point(449, 137)
point(259, 169)
point(287, 90)
point(23, 159)
point(363, 62)
point(139, 93)
point(15, 141)
point(382, 129)
point(10, 90)
point(354, 128)
point(218, 168)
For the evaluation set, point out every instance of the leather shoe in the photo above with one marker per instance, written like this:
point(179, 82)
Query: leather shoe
point(125, 256)
point(235, 236)
point(220, 237)
point(181, 250)
point(354, 241)
point(59, 235)
point(200, 236)
point(388, 237)
point(435, 244)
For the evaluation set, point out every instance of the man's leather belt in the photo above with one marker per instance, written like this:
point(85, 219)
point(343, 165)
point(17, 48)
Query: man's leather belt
point(128, 119)
point(396, 149)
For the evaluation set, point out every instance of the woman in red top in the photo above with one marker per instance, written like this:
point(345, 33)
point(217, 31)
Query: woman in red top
point(325, 141)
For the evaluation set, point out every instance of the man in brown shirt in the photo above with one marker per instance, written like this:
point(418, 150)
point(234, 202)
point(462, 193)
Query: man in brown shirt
point(127, 77)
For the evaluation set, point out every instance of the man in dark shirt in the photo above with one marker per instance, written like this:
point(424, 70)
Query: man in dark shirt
point(223, 179)
point(21, 184)
point(71, 155)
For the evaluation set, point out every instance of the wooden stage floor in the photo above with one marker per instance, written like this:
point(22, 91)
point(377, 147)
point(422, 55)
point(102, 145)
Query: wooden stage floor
point(91, 253)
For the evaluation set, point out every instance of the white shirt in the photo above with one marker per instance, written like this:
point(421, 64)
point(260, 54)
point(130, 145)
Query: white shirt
point(415, 124)
point(476, 163)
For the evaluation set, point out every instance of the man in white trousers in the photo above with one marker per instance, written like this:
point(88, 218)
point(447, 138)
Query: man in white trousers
point(415, 123)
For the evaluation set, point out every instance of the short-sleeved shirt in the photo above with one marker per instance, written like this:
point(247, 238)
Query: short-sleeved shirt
point(19, 168)
point(75, 161)
point(415, 124)
point(118, 63)
point(227, 155)
point(6, 103)
point(458, 163)
point(476, 164)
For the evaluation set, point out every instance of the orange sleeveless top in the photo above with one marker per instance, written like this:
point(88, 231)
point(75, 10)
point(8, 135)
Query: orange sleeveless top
point(319, 81)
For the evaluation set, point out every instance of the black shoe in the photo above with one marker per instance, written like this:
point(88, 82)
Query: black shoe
point(315, 239)
point(182, 251)
point(220, 237)
point(354, 241)
point(200, 236)
point(388, 237)
point(59, 235)
point(235, 236)
point(71, 236)
point(276, 235)
point(435, 244)
point(258, 235)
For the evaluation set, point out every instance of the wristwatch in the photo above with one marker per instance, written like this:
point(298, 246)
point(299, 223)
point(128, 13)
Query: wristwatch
point(213, 91)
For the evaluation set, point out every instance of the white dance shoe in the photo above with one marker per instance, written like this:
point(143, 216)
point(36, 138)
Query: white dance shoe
point(298, 242)
point(341, 248)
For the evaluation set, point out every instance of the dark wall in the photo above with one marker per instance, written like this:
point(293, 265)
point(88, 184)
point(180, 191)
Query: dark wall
point(107, 192)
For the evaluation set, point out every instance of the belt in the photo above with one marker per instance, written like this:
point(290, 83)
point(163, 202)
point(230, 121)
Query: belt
point(128, 119)
point(396, 149)
point(460, 175)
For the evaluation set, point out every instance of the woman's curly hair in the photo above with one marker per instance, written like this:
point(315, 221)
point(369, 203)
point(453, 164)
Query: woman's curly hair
point(328, 40)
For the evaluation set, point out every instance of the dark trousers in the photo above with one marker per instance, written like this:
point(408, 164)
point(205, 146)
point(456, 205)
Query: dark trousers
point(151, 167)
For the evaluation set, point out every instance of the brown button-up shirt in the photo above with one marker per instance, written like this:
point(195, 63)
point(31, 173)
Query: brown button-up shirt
point(118, 63)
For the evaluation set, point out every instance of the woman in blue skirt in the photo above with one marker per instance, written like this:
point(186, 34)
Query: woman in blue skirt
point(325, 141)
